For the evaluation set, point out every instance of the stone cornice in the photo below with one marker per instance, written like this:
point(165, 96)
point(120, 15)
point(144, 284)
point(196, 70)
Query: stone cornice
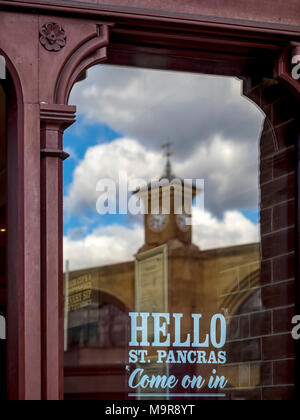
point(91, 9)
point(64, 115)
point(55, 118)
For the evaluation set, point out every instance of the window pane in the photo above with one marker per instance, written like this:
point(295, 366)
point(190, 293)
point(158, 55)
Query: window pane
point(168, 189)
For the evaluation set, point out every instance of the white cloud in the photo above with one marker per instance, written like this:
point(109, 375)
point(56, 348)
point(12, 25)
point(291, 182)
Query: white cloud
point(233, 229)
point(117, 243)
point(107, 161)
point(105, 245)
point(229, 170)
point(152, 105)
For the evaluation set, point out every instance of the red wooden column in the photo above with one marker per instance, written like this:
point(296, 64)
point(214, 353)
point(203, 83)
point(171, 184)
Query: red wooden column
point(54, 120)
point(23, 249)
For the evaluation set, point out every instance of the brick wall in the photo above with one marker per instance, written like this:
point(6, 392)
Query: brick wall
point(261, 351)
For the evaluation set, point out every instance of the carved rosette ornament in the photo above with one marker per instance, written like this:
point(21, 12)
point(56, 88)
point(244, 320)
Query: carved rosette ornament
point(53, 37)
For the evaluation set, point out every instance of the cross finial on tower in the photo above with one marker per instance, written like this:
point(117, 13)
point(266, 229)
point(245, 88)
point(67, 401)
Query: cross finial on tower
point(168, 154)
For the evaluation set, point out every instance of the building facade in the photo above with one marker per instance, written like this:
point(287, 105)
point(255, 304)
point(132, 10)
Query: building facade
point(98, 301)
point(48, 47)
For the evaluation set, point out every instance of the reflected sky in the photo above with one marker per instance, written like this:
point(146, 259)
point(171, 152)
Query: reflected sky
point(124, 116)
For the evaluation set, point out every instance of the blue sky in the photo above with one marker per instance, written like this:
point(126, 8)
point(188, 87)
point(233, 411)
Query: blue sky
point(252, 215)
point(77, 139)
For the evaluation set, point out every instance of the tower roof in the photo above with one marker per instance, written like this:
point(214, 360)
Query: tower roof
point(168, 173)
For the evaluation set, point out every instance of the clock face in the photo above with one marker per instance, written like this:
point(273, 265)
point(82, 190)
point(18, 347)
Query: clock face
point(182, 221)
point(158, 222)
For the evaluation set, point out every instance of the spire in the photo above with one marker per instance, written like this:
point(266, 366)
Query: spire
point(168, 174)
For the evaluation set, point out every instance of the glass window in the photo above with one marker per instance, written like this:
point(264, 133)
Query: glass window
point(171, 285)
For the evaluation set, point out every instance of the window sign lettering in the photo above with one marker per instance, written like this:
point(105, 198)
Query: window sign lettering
point(201, 347)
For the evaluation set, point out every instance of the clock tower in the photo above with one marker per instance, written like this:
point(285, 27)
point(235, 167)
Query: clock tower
point(168, 218)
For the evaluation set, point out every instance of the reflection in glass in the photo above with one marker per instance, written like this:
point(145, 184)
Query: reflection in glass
point(193, 283)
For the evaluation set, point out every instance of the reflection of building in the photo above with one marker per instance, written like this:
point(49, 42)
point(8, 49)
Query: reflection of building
point(182, 36)
point(99, 299)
